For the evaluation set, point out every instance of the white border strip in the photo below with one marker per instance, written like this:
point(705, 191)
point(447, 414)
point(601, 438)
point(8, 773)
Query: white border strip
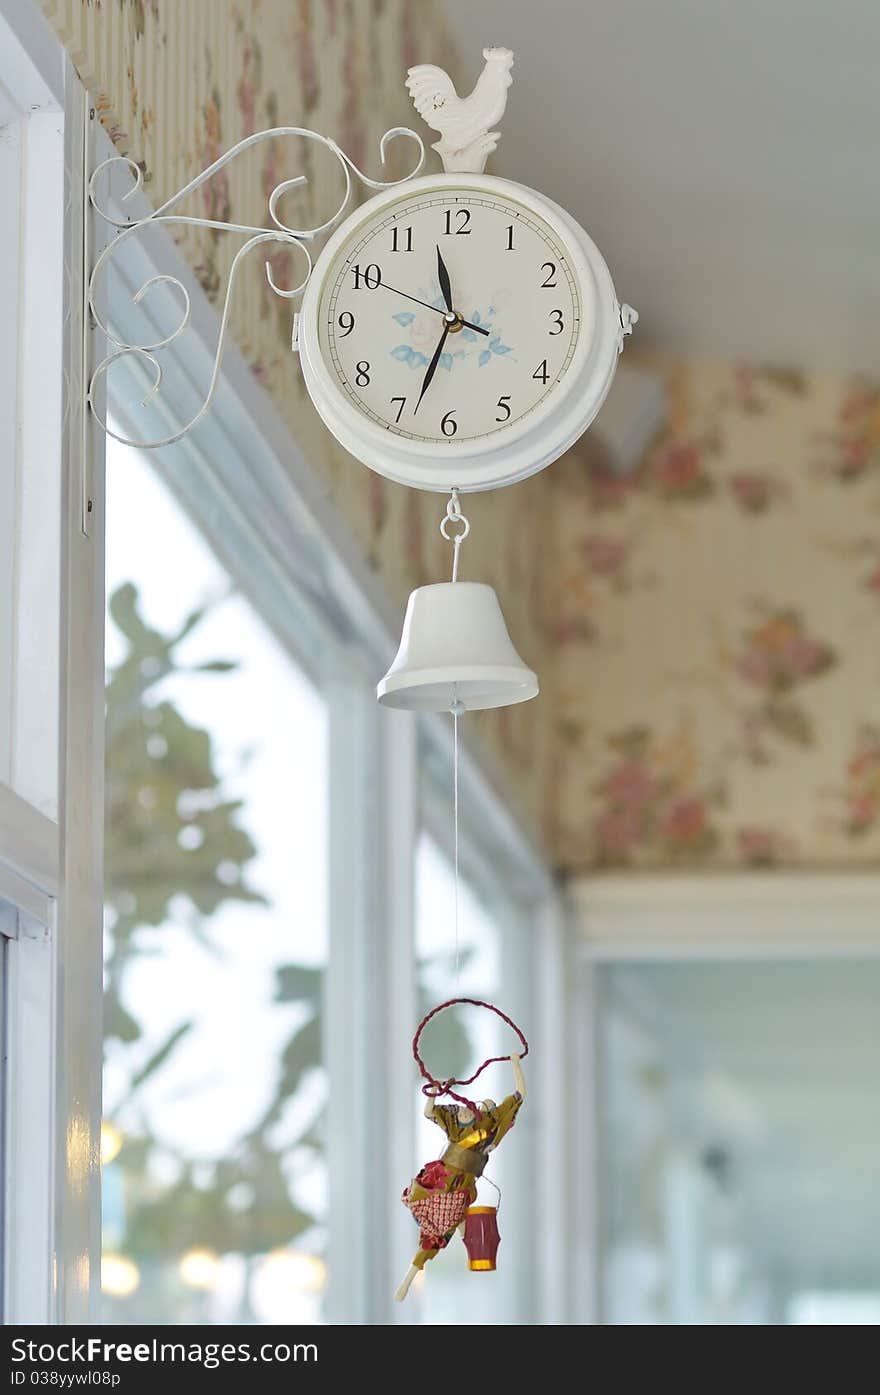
point(733, 916)
point(30, 842)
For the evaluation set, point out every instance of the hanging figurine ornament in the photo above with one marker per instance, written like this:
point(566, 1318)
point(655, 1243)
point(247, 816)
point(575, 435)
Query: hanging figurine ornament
point(442, 1195)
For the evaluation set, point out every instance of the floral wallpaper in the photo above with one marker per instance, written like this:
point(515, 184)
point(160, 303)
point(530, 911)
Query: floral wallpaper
point(176, 84)
point(717, 671)
point(704, 628)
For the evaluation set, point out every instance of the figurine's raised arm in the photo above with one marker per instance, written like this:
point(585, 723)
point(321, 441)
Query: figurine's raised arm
point(518, 1075)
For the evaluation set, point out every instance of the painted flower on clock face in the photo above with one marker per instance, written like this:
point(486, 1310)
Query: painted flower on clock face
point(422, 332)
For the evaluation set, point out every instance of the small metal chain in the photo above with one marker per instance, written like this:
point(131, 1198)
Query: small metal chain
point(455, 516)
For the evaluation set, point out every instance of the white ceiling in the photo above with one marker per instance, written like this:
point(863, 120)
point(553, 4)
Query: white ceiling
point(722, 153)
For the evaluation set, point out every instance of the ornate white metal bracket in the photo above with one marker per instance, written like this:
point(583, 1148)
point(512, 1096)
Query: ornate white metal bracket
point(277, 232)
point(466, 142)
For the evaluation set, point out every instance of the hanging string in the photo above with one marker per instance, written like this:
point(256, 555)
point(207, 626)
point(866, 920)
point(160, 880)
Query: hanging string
point(434, 1087)
point(455, 518)
point(456, 548)
point(457, 709)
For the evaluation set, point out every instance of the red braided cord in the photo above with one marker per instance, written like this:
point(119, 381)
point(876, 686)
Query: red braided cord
point(435, 1088)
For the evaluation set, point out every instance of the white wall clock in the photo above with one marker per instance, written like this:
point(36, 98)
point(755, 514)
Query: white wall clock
point(461, 331)
point(458, 332)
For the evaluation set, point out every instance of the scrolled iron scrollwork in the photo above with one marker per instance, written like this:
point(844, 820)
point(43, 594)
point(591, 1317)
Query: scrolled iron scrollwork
point(279, 232)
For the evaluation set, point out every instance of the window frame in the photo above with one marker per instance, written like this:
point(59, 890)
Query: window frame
point(50, 823)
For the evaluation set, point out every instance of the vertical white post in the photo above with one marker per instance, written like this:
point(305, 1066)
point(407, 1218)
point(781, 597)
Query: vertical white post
point(42, 369)
point(519, 1217)
point(584, 1097)
point(370, 1005)
point(53, 736)
point(350, 1015)
point(553, 1109)
point(29, 1041)
point(396, 995)
point(11, 261)
point(78, 984)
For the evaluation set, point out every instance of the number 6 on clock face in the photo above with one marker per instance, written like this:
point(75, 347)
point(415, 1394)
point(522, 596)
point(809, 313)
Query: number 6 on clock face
point(463, 331)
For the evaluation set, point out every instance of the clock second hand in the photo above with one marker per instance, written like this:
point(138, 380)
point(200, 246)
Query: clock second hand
point(437, 311)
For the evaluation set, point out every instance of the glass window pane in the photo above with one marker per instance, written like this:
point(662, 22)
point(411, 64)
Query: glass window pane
point(455, 1043)
point(738, 1108)
point(216, 940)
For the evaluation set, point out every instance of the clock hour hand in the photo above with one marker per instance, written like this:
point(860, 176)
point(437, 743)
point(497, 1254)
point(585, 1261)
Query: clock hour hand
point(432, 368)
point(445, 286)
point(414, 298)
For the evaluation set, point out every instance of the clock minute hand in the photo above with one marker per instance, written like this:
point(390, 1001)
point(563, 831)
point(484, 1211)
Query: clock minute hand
point(478, 328)
point(445, 286)
point(437, 311)
point(432, 368)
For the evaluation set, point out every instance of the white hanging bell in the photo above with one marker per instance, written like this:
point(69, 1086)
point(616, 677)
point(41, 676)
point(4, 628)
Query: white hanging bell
point(455, 649)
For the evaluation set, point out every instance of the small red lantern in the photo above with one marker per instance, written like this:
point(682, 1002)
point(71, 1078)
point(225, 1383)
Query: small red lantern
point(481, 1236)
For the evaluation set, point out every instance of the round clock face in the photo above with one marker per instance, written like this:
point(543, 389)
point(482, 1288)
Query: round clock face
point(459, 331)
point(452, 315)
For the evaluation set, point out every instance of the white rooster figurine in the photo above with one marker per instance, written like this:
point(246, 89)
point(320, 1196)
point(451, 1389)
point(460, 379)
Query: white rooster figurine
point(463, 122)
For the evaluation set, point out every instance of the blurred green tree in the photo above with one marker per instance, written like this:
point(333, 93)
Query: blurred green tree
point(173, 836)
point(172, 833)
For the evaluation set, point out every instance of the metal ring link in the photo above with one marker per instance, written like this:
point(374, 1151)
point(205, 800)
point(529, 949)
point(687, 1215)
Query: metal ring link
point(455, 518)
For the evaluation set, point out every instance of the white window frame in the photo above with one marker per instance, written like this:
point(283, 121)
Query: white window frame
point(27, 923)
point(50, 801)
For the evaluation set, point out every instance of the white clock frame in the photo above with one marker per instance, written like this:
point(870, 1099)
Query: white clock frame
point(513, 451)
point(516, 451)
